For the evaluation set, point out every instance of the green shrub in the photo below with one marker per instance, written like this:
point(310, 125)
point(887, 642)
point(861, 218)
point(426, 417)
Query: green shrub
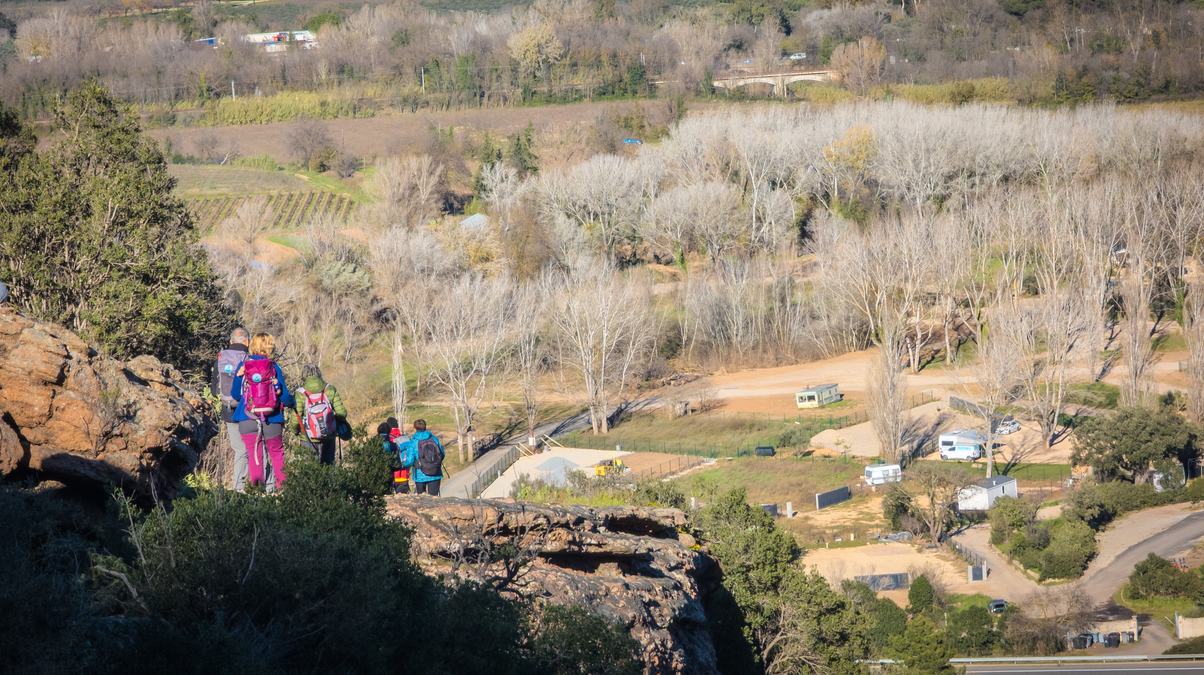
point(1101, 503)
point(567, 638)
point(895, 505)
point(921, 596)
point(972, 632)
point(284, 107)
point(92, 236)
point(1195, 490)
point(659, 493)
point(1192, 646)
point(45, 616)
point(1156, 577)
point(1071, 547)
point(1010, 515)
point(884, 616)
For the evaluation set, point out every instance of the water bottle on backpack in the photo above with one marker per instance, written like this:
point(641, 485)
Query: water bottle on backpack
point(261, 397)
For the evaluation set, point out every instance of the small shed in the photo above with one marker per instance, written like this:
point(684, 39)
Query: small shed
point(881, 474)
point(982, 494)
point(818, 396)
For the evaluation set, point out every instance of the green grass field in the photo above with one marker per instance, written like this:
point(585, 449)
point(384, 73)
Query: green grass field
point(710, 435)
point(214, 193)
point(772, 479)
point(1171, 342)
point(1160, 609)
point(1094, 394)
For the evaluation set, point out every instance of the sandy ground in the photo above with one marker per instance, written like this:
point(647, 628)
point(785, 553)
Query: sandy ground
point(771, 391)
point(550, 466)
point(929, 421)
point(946, 569)
point(659, 464)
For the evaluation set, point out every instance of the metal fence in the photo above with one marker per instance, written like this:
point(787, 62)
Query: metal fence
point(668, 467)
point(505, 460)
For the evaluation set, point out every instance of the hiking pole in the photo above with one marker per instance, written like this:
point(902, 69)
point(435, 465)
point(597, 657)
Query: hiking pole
point(260, 441)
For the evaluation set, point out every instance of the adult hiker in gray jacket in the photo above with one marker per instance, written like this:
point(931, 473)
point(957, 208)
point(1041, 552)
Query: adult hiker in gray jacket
point(229, 360)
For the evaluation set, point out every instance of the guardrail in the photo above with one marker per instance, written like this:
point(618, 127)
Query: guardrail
point(1050, 660)
point(1021, 660)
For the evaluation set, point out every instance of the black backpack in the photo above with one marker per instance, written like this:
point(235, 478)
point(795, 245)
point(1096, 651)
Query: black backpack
point(430, 460)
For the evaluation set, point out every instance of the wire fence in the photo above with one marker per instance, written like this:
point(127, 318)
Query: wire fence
point(669, 467)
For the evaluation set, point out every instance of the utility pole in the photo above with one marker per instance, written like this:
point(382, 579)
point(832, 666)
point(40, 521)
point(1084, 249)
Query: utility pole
point(233, 96)
point(422, 74)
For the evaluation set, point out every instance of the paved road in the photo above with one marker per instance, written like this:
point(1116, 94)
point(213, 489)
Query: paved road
point(1101, 584)
point(1106, 574)
point(458, 484)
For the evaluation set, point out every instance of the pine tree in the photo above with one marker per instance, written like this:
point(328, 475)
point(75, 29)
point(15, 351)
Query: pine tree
point(92, 237)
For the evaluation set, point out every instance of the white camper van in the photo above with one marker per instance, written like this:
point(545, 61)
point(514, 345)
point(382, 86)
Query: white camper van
point(962, 444)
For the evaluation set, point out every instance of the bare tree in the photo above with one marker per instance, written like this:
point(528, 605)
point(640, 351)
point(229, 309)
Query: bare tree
point(999, 370)
point(1143, 254)
point(408, 191)
point(886, 403)
point(1193, 333)
point(462, 344)
point(605, 324)
point(934, 492)
point(860, 63)
point(532, 303)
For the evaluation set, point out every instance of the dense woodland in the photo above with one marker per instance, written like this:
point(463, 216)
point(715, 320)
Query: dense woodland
point(411, 54)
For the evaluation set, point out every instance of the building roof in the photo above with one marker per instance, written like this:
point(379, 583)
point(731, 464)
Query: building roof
point(818, 388)
point(994, 481)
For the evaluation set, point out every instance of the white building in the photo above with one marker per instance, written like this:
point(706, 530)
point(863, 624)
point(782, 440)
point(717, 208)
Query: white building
point(982, 494)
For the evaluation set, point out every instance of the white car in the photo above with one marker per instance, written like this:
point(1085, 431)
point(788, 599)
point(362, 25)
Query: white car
point(1007, 425)
point(798, 56)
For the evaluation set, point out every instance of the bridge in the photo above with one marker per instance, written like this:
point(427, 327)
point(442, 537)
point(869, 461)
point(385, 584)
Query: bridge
point(778, 81)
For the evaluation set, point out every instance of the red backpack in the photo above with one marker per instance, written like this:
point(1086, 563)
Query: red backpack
point(260, 396)
point(319, 419)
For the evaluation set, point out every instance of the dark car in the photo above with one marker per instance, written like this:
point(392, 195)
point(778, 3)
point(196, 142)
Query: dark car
point(997, 606)
point(1112, 640)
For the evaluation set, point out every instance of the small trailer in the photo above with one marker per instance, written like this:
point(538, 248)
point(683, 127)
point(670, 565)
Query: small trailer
point(818, 396)
point(881, 474)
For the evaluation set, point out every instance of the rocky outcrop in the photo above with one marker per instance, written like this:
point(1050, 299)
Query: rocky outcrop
point(70, 414)
point(631, 565)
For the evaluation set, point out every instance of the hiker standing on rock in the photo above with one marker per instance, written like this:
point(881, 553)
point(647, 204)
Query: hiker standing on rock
point(425, 453)
point(229, 361)
point(321, 413)
point(262, 395)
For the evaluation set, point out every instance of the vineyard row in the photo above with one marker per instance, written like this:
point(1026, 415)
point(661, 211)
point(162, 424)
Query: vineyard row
point(287, 209)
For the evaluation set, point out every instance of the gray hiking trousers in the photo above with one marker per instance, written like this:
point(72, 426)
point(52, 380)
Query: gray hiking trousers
point(240, 460)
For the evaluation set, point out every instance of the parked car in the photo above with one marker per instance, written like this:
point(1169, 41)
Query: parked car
point(997, 606)
point(1006, 425)
point(1112, 640)
point(798, 56)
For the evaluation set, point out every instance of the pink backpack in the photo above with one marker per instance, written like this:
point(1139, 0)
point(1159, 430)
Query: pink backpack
point(260, 398)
